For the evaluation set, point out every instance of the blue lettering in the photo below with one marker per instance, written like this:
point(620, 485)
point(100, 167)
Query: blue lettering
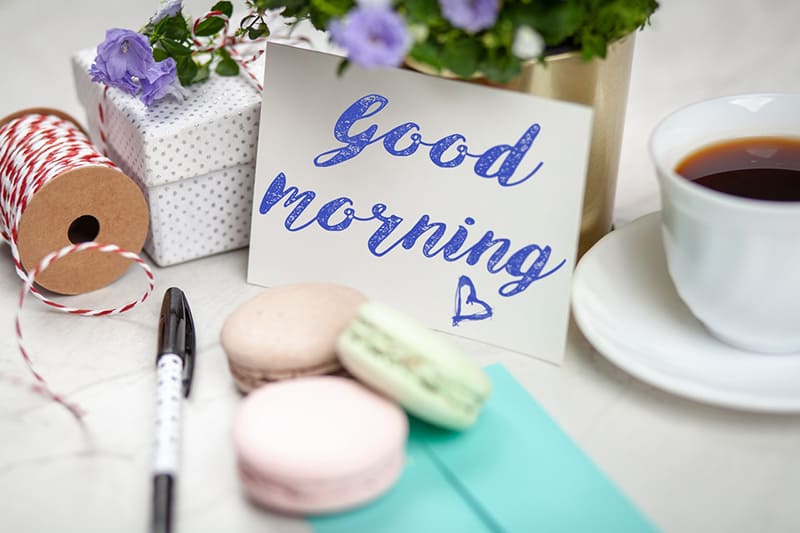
point(525, 266)
point(364, 107)
point(277, 191)
point(391, 138)
point(514, 155)
point(455, 243)
point(327, 210)
point(532, 273)
point(476, 251)
point(388, 224)
point(500, 162)
point(409, 239)
point(438, 150)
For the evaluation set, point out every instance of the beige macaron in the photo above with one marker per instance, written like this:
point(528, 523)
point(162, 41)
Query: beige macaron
point(288, 331)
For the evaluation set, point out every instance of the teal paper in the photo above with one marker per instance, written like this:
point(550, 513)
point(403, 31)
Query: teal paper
point(422, 501)
point(515, 471)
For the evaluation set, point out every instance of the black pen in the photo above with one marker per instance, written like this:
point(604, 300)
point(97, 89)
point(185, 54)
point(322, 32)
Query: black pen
point(175, 365)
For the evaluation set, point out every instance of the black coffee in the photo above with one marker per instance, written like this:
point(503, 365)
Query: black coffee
point(763, 168)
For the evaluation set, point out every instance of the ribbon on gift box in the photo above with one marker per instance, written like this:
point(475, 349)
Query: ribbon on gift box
point(229, 43)
point(232, 44)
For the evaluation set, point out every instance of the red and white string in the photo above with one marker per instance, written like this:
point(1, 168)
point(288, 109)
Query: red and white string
point(228, 42)
point(35, 149)
point(232, 44)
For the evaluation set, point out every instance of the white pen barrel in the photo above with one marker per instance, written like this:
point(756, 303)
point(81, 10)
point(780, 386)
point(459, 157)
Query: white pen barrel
point(169, 391)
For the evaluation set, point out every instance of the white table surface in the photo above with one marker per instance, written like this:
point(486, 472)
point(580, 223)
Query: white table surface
point(690, 467)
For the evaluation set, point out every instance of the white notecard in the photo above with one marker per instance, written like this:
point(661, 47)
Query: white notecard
point(457, 203)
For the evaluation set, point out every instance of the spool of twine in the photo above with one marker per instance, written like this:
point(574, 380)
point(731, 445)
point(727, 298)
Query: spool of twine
point(60, 201)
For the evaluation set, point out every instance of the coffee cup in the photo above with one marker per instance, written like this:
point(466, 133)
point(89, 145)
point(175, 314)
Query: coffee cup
point(734, 257)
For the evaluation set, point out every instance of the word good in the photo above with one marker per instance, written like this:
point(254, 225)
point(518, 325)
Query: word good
point(487, 164)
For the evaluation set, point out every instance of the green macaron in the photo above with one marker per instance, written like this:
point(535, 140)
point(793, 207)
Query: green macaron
point(429, 376)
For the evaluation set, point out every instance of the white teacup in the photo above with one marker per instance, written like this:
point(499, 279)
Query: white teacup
point(734, 261)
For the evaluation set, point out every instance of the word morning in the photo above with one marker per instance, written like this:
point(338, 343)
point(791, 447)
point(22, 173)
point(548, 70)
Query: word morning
point(524, 265)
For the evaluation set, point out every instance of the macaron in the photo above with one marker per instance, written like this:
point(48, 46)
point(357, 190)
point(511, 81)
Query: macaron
point(413, 365)
point(318, 444)
point(288, 331)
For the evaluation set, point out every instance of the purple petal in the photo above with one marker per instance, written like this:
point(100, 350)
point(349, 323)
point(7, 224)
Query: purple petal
point(161, 79)
point(123, 58)
point(169, 8)
point(470, 15)
point(373, 36)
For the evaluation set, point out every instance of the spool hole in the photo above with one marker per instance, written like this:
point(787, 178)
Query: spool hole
point(83, 229)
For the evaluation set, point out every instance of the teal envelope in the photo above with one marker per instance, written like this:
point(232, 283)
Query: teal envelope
point(515, 471)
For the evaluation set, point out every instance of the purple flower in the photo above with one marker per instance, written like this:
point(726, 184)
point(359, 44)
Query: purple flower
point(373, 36)
point(125, 61)
point(470, 15)
point(122, 59)
point(168, 8)
point(161, 80)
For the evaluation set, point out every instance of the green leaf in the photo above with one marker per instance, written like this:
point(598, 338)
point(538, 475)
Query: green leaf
point(260, 30)
point(501, 68)
point(174, 48)
point(159, 54)
point(225, 7)
point(423, 12)
point(461, 56)
point(427, 53)
point(210, 26)
point(592, 46)
point(227, 67)
point(264, 5)
point(611, 20)
point(174, 28)
point(332, 8)
point(322, 11)
point(588, 25)
point(187, 70)
point(292, 7)
point(502, 34)
point(203, 72)
point(318, 19)
point(342, 67)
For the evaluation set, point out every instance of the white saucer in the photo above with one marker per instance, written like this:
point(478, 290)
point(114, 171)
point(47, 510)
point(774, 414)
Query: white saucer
point(626, 305)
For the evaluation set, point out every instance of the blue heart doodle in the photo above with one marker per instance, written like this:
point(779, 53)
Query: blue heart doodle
point(484, 310)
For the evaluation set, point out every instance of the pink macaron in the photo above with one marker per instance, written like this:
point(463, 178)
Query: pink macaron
point(287, 332)
point(318, 444)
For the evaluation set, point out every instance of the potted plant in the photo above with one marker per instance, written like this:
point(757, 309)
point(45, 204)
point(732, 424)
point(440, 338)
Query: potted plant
point(489, 38)
point(574, 50)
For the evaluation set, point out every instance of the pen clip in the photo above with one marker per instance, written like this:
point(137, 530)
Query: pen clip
point(189, 350)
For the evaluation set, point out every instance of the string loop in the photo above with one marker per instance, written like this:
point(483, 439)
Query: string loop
point(36, 148)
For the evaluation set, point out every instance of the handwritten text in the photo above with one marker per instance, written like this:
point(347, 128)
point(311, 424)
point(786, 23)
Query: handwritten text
point(404, 140)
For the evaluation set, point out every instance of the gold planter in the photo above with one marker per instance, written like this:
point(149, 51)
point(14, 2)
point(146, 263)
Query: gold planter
point(603, 85)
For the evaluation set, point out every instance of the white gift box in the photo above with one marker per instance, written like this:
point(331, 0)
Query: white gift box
point(195, 161)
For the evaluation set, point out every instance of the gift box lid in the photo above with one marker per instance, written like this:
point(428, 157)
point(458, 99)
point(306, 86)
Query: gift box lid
point(215, 128)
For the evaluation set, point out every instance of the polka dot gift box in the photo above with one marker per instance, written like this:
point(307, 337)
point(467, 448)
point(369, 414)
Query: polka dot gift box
point(195, 161)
